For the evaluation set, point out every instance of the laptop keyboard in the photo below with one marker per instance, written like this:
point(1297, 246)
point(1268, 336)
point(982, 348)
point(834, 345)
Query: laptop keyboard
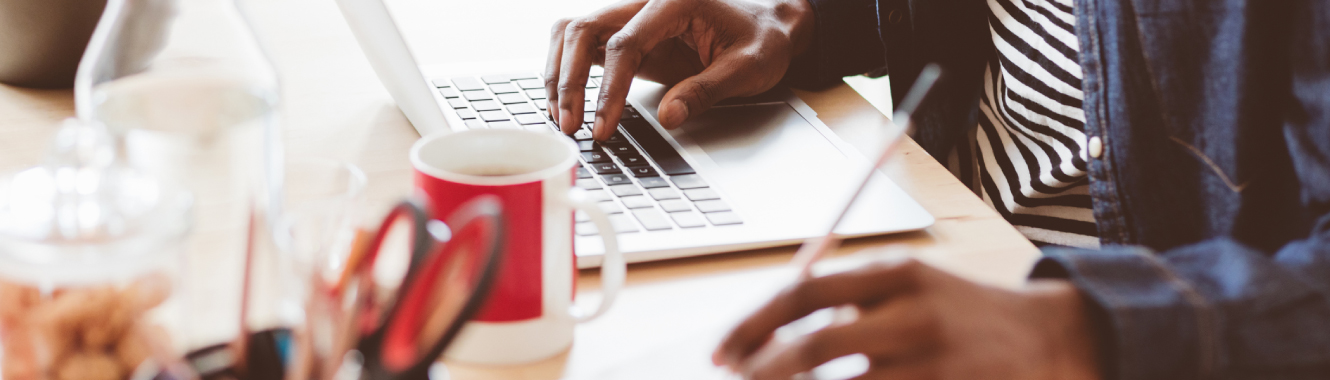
point(636, 176)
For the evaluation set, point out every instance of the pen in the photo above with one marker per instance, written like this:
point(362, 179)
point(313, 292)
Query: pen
point(900, 126)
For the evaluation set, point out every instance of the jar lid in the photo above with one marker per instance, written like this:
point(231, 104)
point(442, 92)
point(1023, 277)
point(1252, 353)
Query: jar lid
point(84, 218)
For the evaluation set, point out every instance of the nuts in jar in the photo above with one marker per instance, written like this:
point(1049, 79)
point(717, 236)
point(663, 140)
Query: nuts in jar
point(91, 333)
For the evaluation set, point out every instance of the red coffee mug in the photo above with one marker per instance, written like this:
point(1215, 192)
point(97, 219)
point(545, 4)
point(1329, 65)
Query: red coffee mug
point(529, 315)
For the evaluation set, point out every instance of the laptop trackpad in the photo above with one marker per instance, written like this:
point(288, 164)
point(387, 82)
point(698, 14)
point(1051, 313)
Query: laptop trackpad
point(768, 155)
point(761, 137)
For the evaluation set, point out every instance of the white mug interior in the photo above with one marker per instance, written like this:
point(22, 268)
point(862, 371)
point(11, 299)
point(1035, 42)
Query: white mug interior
point(491, 157)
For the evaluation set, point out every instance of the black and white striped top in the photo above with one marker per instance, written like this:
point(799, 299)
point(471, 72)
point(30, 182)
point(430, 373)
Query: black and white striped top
point(1026, 158)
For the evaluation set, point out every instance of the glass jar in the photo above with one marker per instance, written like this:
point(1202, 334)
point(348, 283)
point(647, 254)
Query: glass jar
point(89, 259)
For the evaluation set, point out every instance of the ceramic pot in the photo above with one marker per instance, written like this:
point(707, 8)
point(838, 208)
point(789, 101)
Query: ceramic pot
point(41, 41)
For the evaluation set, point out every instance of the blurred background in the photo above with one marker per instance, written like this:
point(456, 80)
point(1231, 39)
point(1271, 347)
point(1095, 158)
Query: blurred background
point(324, 105)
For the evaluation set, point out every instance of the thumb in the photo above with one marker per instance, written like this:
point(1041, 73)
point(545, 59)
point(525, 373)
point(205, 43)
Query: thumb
point(723, 79)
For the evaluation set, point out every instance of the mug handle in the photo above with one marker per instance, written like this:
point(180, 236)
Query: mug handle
point(613, 268)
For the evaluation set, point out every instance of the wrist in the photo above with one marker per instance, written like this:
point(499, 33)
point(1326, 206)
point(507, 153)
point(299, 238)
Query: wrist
point(798, 19)
point(1064, 316)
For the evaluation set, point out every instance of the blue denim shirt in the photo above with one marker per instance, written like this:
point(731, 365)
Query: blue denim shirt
point(1212, 198)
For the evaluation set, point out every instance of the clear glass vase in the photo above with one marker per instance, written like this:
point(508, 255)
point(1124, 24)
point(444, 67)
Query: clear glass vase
point(191, 98)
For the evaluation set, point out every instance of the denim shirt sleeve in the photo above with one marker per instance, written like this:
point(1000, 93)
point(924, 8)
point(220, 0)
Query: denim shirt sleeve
point(1209, 309)
point(846, 41)
point(1220, 308)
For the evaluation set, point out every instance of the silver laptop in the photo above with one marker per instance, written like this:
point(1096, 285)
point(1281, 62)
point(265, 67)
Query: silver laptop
point(748, 173)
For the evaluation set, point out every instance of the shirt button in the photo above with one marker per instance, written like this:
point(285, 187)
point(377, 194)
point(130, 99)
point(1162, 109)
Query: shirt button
point(1096, 147)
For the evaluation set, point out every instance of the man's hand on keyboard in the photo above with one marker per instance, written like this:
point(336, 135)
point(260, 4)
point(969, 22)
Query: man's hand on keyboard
point(708, 50)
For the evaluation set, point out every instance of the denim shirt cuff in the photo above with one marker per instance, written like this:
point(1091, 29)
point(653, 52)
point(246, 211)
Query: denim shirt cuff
point(1145, 308)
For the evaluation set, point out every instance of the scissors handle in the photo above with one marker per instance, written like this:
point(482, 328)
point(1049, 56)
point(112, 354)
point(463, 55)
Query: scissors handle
point(391, 345)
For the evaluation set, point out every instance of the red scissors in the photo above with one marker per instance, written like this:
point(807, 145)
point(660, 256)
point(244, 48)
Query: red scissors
point(453, 266)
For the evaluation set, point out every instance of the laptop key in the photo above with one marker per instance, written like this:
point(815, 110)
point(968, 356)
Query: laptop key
point(581, 216)
point(598, 195)
point(691, 181)
point(605, 168)
point(582, 172)
point(589, 184)
point(663, 193)
point(582, 135)
point(616, 179)
point(466, 114)
point(523, 75)
point(476, 95)
point(597, 71)
point(441, 82)
point(622, 223)
point(675, 205)
point(511, 98)
point(531, 84)
point(475, 124)
point(494, 116)
point(653, 182)
point(688, 219)
point(651, 219)
point(632, 159)
point(595, 157)
point(642, 171)
point(492, 79)
point(536, 128)
point(457, 103)
point(626, 190)
point(543, 105)
point(517, 109)
point(724, 218)
point(586, 229)
point(450, 93)
point(536, 94)
point(655, 146)
point(702, 194)
point(609, 207)
point(503, 88)
point(588, 146)
point(486, 105)
point(530, 118)
point(622, 149)
point(636, 202)
point(504, 125)
point(467, 84)
point(714, 205)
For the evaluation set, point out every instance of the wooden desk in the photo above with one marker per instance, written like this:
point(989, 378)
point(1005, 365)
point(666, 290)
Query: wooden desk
point(671, 313)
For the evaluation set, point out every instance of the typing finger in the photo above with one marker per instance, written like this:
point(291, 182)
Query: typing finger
point(582, 39)
point(657, 21)
point(552, 65)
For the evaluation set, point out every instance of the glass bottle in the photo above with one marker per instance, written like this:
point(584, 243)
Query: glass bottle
point(190, 97)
